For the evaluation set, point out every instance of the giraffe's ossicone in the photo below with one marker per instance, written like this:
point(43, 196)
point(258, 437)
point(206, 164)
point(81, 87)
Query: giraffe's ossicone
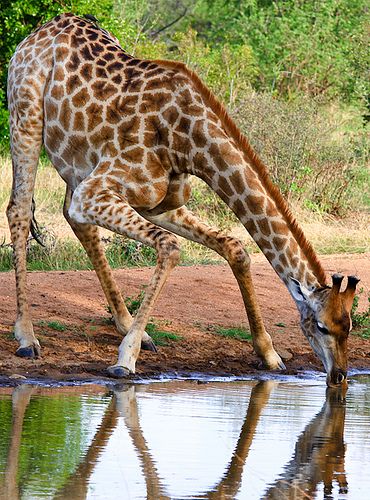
point(125, 135)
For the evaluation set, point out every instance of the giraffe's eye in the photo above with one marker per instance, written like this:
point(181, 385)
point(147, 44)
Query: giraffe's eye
point(322, 328)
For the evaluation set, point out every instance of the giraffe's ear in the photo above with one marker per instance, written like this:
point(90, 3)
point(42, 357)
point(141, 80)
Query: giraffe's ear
point(299, 292)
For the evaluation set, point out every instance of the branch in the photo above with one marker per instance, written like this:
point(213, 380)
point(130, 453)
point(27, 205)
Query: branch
point(155, 33)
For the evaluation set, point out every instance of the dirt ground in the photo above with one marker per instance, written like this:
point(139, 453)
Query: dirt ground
point(194, 301)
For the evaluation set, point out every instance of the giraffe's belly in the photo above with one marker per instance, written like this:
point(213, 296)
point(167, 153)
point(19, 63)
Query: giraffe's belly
point(73, 168)
point(143, 186)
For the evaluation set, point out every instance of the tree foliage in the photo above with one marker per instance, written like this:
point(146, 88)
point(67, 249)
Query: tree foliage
point(310, 46)
point(291, 46)
point(289, 50)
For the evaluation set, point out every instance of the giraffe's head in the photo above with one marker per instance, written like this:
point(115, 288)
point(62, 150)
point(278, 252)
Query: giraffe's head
point(326, 322)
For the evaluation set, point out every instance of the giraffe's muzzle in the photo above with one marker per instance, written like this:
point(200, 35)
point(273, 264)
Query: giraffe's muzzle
point(336, 377)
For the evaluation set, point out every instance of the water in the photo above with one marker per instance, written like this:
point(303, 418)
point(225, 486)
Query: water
point(247, 440)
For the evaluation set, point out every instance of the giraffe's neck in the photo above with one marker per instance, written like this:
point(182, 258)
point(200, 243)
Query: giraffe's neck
point(217, 152)
point(226, 168)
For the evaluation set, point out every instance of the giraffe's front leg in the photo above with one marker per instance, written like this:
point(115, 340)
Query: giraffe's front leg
point(186, 224)
point(262, 342)
point(108, 209)
point(168, 257)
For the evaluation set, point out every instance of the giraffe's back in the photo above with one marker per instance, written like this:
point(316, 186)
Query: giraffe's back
point(99, 103)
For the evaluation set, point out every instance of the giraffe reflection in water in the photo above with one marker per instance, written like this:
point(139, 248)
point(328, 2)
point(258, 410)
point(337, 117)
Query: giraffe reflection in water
point(20, 399)
point(319, 454)
point(318, 457)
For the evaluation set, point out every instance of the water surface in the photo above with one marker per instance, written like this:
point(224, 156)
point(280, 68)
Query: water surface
point(247, 440)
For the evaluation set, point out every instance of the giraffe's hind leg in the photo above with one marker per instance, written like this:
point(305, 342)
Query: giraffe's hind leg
point(93, 202)
point(26, 140)
point(186, 224)
point(88, 235)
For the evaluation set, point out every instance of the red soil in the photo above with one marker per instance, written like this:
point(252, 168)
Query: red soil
point(195, 299)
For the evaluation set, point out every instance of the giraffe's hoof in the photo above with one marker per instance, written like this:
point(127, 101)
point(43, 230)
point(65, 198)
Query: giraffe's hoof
point(148, 345)
point(274, 362)
point(118, 371)
point(281, 365)
point(276, 365)
point(31, 351)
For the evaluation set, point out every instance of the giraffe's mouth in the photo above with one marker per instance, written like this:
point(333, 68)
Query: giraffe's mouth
point(337, 377)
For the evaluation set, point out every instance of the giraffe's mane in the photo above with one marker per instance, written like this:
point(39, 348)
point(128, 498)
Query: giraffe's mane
point(260, 168)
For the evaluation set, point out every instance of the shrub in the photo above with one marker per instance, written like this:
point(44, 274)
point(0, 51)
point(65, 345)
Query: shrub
point(308, 150)
point(228, 70)
point(302, 46)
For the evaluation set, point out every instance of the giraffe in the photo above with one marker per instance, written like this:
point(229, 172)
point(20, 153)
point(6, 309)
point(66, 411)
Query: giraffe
point(125, 135)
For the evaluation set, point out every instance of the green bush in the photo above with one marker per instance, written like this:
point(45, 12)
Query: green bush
point(361, 320)
point(308, 150)
point(302, 46)
point(295, 48)
point(228, 70)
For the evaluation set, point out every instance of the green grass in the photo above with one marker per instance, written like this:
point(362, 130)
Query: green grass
point(160, 337)
point(68, 255)
point(54, 325)
point(9, 335)
point(63, 255)
point(236, 332)
point(364, 333)
point(361, 320)
point(133, 303)
point(76, 330)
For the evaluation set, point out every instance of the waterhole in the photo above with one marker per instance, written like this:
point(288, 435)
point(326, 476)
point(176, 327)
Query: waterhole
point(270, 439)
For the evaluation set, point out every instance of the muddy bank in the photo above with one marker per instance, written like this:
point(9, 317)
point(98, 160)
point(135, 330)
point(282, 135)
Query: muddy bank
point(72, 323)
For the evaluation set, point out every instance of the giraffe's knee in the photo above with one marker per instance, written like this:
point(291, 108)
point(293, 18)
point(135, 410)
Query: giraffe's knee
point(236, 253)
point(168, 249)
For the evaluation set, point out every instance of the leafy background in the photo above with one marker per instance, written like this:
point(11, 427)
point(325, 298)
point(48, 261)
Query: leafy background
point(293, 74)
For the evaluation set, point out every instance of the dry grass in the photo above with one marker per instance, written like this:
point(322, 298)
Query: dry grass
point(328, 235)
point(49, 195)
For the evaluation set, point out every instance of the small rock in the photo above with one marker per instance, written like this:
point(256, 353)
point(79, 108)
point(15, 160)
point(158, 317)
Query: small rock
point(284, 354)
point(18, 377)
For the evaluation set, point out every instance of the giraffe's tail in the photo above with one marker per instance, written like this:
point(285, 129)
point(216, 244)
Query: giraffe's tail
point(34, 227)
